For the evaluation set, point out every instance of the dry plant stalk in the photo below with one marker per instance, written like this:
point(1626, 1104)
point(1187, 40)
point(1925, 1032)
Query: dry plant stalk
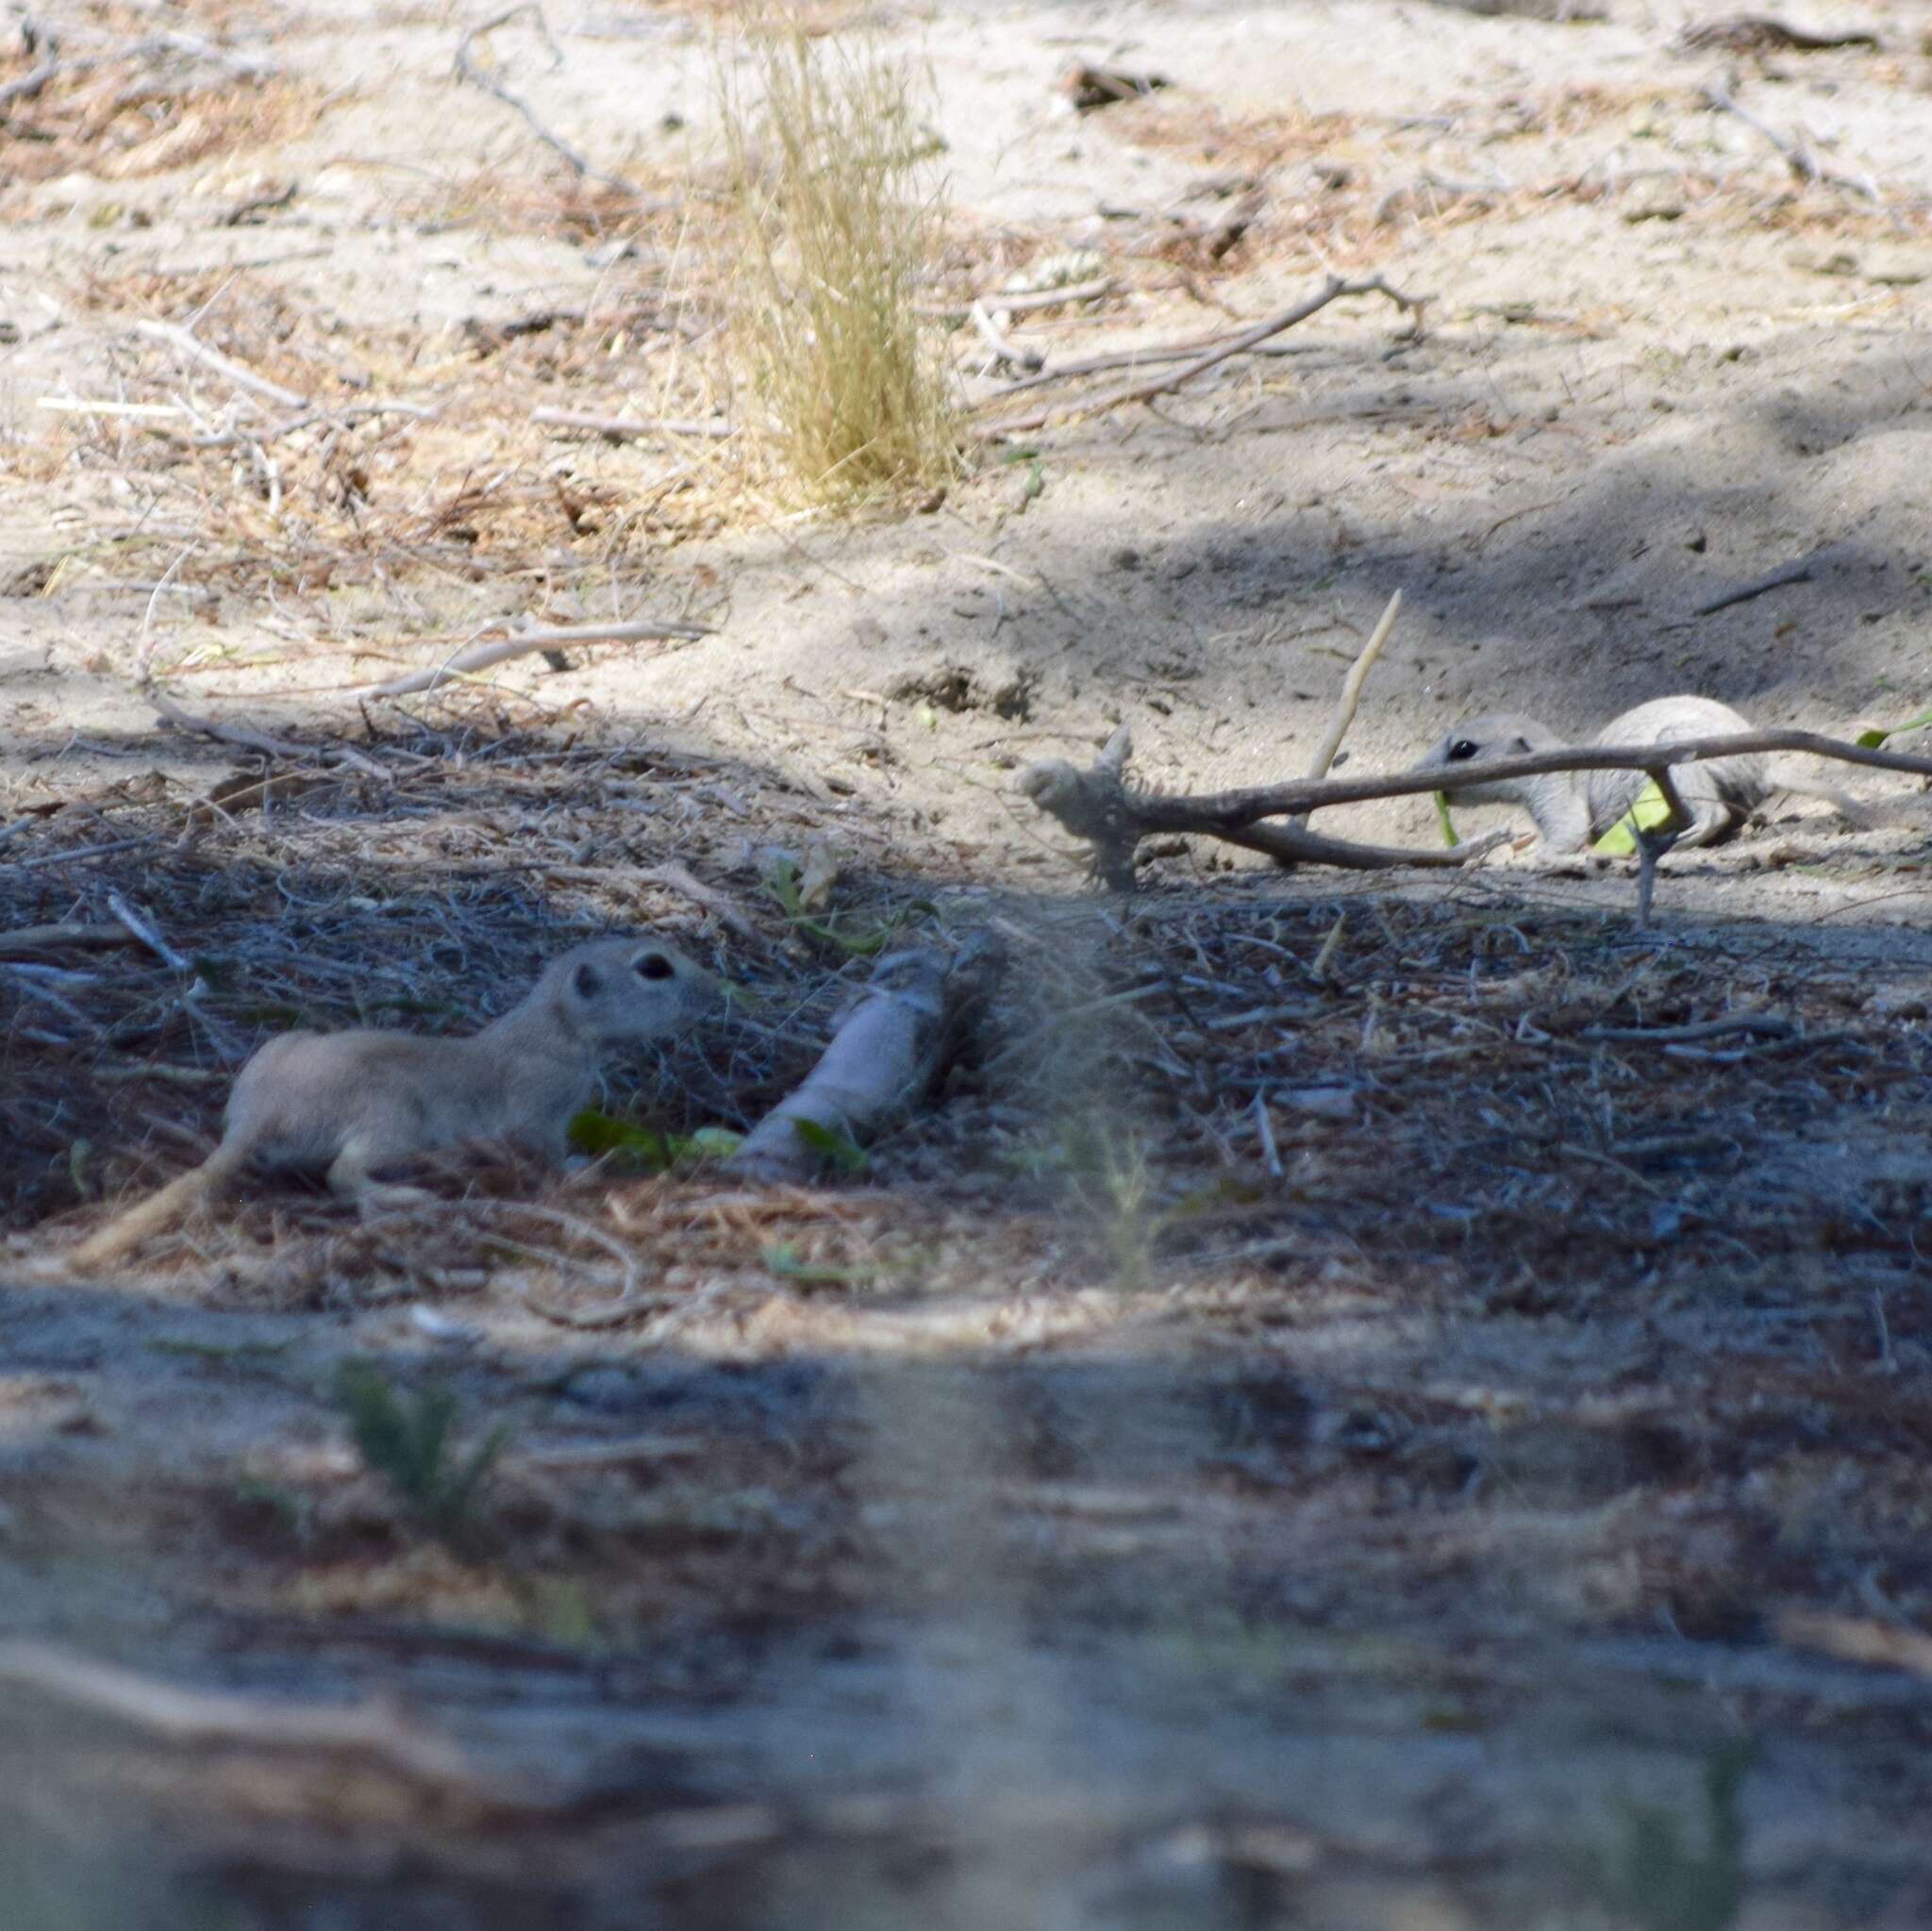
point(887, 1049)
point(832, 232)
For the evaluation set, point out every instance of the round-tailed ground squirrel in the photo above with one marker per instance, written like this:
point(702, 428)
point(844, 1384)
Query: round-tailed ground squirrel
point(1574, 809)
point(351, 1104)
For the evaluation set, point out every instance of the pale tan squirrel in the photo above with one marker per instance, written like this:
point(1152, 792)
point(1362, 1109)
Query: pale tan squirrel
point(1574, 809)
point(351, 1104)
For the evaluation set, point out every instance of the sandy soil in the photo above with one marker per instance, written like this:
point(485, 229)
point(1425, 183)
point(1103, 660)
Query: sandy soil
point(1104, 1512)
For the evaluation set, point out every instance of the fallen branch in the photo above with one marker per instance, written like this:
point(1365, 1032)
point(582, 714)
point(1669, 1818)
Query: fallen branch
point(1798, 158)
point(483, 657)
point(1234, 345)
point(227, 1719)
point(142, 929)
point(1009, 353)
point(28, 941)
point(1018, 302)
point(629, 426)
point(183, 343)
point(1098, 807)
point(1777, 579)
point(1745, 33)
point(30, 85)
point(468, 70)
point(249, 739)
point(1857, 1640)
point(889, 1048)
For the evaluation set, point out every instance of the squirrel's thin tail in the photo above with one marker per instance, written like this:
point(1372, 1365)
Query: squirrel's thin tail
point(126, 1231)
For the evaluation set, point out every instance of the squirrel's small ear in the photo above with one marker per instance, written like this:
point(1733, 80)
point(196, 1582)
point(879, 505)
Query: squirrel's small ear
point(1521, 745)
point(588, 982)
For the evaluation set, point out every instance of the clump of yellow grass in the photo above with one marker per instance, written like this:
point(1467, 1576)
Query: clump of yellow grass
point(835, 222)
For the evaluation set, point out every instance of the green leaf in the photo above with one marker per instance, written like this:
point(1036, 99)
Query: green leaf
point(782, 882)
point(598, 1135)
point(1871, 741)
point(1649, 812)
point(1442, 817)
point(836, 1148)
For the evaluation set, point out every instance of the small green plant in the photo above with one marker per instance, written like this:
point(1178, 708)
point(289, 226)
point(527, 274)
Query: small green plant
point(647, 1149)
point(833, 231)
point(1113, 1179)
point(410, 1442)
point(1656, 1881)
point(1872, 740)
point(784, 883)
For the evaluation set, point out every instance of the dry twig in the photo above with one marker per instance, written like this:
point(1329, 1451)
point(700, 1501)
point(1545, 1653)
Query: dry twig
point(248, 739)
point(484, 656)
point(629, 426)
point(1234, 345)
point(197, 351)
point(1097, 807)
point(227, 1719)
point(1352, 690)
point(468, 70)
point(1798, 157)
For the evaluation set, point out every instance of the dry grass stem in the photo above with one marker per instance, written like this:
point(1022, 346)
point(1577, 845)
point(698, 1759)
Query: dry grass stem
point(836, 228)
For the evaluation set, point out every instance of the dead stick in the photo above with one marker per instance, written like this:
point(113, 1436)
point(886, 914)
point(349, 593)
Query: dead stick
point(468, 70)
point(1007, 351)
point(144, 930)
point(894, 1043)
point(28, 86)
point(1352, 690)
point(1099, 364)
point(629, 426)
point(30, 940)
point(1098, 807)
point(1214, 812)
point(1798, 158)
point(1234, 345)
point(1791, 573)
point(1291, 844)
point(252, 739)
point(228, 1719)
point(1015, 302)
point(197, 351)
point(483, 657)
point(1652, 842)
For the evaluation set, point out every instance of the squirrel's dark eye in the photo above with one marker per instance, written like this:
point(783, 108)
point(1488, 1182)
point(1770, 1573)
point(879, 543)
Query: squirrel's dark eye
point(1463, 750)
point(654, 965)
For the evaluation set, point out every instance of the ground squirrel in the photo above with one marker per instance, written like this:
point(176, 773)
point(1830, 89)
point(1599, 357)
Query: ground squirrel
point(1575, 809)
point(350, 1103)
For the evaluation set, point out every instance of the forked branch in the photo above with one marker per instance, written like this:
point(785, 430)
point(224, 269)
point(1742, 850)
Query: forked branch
point(1148, 388)
point(1101, 809)
point(1097, 806)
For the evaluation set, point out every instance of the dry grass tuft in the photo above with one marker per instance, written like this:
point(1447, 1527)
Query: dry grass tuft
point(835, 231)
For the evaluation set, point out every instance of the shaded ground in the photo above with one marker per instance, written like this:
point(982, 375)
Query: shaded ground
point(1370, 1404)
